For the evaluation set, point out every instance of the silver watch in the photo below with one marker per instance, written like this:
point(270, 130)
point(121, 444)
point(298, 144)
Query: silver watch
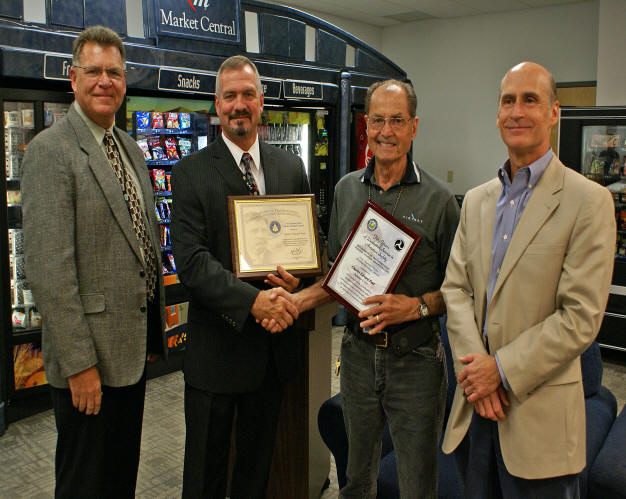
point(422, 310)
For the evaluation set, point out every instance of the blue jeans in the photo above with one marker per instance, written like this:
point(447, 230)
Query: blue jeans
point(408, 393)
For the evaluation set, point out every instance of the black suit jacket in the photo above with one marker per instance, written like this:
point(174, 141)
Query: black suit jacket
point(226, 351)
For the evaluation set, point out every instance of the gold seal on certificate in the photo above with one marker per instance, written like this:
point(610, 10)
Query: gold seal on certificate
point(266, 231)
point(372, 258)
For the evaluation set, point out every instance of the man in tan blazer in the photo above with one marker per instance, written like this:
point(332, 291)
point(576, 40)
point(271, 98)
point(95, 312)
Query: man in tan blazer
point(526, 287)
point(89, 237)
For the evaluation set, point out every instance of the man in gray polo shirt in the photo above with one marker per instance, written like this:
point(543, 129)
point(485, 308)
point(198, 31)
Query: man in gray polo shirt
point(394, 373)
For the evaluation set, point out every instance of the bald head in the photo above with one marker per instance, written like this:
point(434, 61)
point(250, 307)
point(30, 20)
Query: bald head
point(527, 111)
point(533, 71)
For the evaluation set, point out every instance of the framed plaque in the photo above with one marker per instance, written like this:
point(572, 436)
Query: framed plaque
point(371, 260)
point(266, 231)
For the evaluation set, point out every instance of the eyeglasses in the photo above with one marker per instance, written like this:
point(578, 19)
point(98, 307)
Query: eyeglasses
point(95, 72)
point(396, 123)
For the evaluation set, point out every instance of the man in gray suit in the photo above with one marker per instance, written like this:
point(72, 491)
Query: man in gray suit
point(93, 260)
point(231, 363)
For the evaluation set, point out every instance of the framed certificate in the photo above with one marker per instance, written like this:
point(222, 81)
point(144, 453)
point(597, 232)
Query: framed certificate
point(266, 231)
point(371, 260)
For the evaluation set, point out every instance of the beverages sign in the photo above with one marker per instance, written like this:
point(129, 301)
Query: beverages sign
point(211, 20)
point(302, 90)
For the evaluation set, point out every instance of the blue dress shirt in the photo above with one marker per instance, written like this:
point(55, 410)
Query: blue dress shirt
point(509, 208)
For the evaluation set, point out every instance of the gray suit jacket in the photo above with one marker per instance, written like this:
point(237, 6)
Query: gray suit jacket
point(82, 257)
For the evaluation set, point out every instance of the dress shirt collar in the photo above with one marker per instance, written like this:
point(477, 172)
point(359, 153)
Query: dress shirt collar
point(96, 130)
point(412, 173)
point(532, 172)
point(237, 152)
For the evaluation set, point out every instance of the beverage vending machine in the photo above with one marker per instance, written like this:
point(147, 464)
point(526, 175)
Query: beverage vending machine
point(25, 113)
point(593, 142)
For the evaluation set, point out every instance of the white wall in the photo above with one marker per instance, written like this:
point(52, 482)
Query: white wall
point(611, 90)
point(456, 66)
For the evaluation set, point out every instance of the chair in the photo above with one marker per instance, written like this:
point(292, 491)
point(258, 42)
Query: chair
point(600, 406)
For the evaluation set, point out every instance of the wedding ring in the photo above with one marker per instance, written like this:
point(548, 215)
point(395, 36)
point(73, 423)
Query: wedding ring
point(377, 318)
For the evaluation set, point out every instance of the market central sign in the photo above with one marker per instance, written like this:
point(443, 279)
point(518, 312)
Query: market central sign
point(213, 20)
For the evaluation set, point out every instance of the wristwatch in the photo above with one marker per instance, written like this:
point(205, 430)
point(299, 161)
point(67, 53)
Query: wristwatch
point(422, 309)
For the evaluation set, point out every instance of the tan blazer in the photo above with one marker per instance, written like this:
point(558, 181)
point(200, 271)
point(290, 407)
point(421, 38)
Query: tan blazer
point(546, 309)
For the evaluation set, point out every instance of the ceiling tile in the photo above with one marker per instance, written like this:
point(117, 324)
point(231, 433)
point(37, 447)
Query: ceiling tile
point(486, 6)
point(393, 12)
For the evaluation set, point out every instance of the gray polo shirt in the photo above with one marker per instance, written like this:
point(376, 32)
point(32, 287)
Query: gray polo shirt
point(426, 206)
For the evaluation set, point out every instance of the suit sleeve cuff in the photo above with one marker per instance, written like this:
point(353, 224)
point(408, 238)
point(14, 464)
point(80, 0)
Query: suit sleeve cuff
point(505, 383)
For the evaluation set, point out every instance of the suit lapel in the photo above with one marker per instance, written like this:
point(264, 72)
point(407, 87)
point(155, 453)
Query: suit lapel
point(540, 206)
point(487, 221)
point(225, 164)
point(105, 177)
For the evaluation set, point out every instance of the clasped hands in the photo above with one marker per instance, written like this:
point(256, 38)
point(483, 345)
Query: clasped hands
point(482, 385)
point(276, 308)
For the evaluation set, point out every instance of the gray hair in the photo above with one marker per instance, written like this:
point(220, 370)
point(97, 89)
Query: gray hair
point(237, 62)
point(408, 90)
point(100, 35)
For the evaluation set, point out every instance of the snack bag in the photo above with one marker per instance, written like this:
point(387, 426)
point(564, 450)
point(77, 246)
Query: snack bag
point(157, 120)
point(143, 119)
point(158, 178)
point(185, 147)
point(161, 210)
point(170, 257)
point(172, 120)
point(170, 147)
point(154, 141)
point(143, 145)
point(185, 120)
point(168, 178)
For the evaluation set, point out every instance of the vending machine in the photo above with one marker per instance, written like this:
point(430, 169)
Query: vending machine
point(25, 113)
point(593, 142)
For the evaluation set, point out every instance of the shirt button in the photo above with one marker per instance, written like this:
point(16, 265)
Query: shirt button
point(505, 237)
point(142, 273)
point(498, 270)
point(530, 186)
point(142, 309)
point(512, 202)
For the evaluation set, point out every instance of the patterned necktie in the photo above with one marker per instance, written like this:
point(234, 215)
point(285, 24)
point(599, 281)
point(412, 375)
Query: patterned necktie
point(134, 209)
point(248, 177)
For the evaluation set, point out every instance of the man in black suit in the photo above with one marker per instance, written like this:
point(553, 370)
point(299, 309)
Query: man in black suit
point(231, 362)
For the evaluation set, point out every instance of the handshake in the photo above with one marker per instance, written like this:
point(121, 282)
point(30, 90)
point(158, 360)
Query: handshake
point(276, 309)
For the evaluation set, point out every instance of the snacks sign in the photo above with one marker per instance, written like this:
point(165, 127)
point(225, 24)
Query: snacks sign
point(205, 19)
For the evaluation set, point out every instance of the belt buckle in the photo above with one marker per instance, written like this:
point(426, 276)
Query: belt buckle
point(385, 342)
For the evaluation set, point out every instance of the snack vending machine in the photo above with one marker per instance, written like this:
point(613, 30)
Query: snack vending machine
point(593, 142)
point(166, 130)
point(25, 113)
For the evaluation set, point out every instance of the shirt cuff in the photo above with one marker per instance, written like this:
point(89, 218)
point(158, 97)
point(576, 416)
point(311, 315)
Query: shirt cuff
point(505, 383)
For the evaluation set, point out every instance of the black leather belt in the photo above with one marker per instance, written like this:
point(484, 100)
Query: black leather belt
point(401, 338)
point(380, 339)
